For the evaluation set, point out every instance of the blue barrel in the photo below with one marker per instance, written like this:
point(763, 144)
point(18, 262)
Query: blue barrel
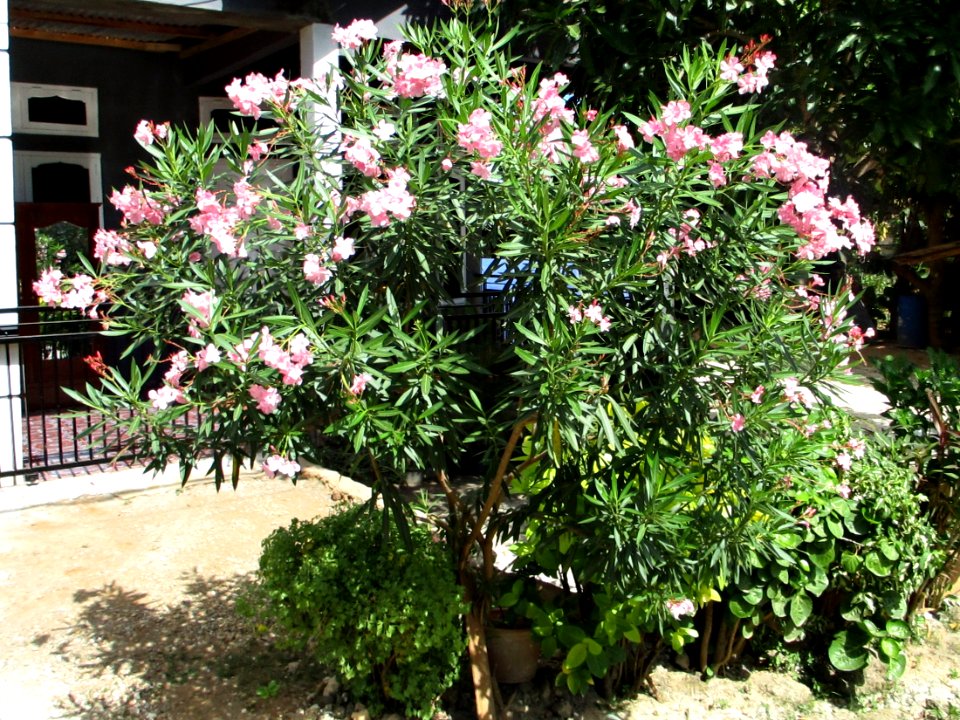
point(911, 321)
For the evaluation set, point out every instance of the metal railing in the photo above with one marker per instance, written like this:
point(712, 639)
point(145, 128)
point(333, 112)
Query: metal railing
point(41, 427)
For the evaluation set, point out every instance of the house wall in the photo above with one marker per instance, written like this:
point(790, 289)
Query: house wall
point(11, 456)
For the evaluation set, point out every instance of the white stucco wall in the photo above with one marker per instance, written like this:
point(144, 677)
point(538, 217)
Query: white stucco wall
point(11, 450)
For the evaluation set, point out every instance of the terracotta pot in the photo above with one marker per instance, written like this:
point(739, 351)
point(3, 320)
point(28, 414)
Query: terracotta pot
point(513, 654)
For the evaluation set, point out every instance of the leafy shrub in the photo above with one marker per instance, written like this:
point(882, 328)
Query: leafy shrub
point(924, 418)
point(385, 614)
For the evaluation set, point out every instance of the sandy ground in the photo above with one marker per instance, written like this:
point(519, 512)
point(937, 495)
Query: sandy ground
point(148, 549)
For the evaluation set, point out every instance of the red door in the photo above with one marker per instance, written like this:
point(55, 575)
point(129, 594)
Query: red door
point(55, 340)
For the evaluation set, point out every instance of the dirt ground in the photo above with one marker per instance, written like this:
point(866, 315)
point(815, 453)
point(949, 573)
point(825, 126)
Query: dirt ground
point(101, 596)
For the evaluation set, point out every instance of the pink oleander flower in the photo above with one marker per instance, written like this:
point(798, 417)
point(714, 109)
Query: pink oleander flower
point(857, 447)
point(481, 169)
point(179, 364)
point(143, 134)
point(730, 68)
point(219, 223)
point(148, 248)
point(342, 249)
point(550, 107)
point(257, 150)
point(679, 608)
point(738, 423)
point(575, 314)
point(165, 396)
point(416, 75)
point(362, 155)
point(136, 207)
point(594, 313)
point(717, 175)
point(248, 95)
point(203, 303)
point(353, 35)
point(47, 288)
point(247, 198)
point(756, 396)
point(384, 130)
point(111, 248)
point(279, 465)
point(727, 146)
point(446, 164)
point(267, 398)
point(289, 364)
point(675, 112)
point(793, 392)
point(477, 135)
point(147, 131)
point(314, 270)
point(624, 139)
point(207, 357)
point(394, 199)
point(359, 383)
point(583, 148)
point(241, 351)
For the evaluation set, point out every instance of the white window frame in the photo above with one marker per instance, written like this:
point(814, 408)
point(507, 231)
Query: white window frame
point(24, 161)
point(20, 99)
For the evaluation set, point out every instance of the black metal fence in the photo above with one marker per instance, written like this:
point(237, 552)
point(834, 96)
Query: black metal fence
point(41, 427)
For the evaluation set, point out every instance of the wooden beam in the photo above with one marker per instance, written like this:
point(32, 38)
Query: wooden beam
point(76, 39)
point(117, 24)
point(217, 41)
point(928, 254)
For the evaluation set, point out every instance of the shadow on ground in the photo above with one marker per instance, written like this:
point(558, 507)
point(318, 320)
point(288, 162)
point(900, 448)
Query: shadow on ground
point(198, 659)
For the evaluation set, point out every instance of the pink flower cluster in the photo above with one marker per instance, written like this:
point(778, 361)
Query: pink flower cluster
point(355, 34)
point(359, 383)
point(136, 207)
point(147, 131)
point(794, 392)
point(210, 355)
point(624, 139)
point(268, 398)
point(111, 248)
point(550, 108)
point(219, 222)
point(583, 148)
point(477, 135)
point(593, 313)
point(413, 76)
point(393, 199)
point(361, 154)
point(203, 303)
point(279, 465)
point(81, 294)
point(679, 139)
point(172, 389)
point(248, 95)
point(290, 362)
point(825, 225)
point(748, 81)
point(314, 270)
